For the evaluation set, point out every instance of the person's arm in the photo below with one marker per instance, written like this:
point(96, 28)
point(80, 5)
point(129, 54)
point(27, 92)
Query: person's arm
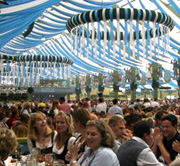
point(164, 153)
point(158, 142)
point(176, 146)
point(70, 142)
point(157, 138)
point(72, 154)
point(127, 135)
point(147, 158)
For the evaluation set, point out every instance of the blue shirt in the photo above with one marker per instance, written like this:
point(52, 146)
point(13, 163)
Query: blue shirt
point(102, 157)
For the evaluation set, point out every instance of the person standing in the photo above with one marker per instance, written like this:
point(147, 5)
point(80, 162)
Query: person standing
point(101, 106)
point(63, 105)
point(115, 109)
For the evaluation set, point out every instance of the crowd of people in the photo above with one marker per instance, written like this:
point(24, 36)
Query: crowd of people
point(95, 132)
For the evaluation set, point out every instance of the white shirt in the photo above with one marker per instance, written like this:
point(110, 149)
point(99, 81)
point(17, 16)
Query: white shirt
point(101, 107)
point(155, 104)
point(26, 111)
point(146, 105)
point(176, 162)
point(59, 151)
point(146, 157)
point(30, 144)
point(56, 111)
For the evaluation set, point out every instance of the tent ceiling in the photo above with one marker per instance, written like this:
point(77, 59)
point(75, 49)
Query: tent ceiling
point(50, 36)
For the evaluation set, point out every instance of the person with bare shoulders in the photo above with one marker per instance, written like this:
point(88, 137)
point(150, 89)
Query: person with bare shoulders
point(63, 138)
point(40, 135)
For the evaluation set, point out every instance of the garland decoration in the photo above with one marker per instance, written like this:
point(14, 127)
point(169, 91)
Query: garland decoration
point(27, 70)
point(120, 27)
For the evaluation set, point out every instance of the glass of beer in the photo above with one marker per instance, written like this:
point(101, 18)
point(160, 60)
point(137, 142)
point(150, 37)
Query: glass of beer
point(49, 159)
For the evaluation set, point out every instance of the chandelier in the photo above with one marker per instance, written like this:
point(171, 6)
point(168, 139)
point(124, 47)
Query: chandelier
point(28, 70)
point(120, 32)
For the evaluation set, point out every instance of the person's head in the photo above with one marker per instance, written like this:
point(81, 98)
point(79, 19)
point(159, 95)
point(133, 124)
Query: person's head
point(143, 130)
point(62, 100)
point(131, 120)
point(117, 124)
point(21, 130)
point(64, 123)
point(85, 105)
point(14, 113)
point(146, 100)
point(159, 115)
point(8, 143)
point(99, 134)
point(55, 104)
point(24, 118)
point(27, 105)
point(80, 118)
point(38, 124)
point(50, 123)
point(101, 100)
point(169, 126)
point(115, 101)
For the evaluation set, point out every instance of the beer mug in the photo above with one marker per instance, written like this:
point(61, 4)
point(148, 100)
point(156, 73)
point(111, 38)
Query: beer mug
point(49, 159)
point(31, 160)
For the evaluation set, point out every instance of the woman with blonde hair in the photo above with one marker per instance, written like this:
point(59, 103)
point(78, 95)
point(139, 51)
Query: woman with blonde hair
point(8, 144)
point(64, 138)
point(26, 109)
point(40, 135)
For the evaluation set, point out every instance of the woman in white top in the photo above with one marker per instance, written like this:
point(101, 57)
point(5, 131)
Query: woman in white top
point(64, 138)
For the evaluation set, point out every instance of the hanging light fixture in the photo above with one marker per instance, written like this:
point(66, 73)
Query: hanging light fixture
point(27, 70)
point(133, 31)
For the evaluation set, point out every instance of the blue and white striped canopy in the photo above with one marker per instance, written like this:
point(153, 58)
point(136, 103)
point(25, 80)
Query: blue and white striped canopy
point(38, 27)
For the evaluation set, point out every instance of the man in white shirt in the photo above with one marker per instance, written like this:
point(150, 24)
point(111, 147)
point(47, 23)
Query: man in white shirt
point(155, 103)
point(115, 109)
point(102, 106)
point(137, 150)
